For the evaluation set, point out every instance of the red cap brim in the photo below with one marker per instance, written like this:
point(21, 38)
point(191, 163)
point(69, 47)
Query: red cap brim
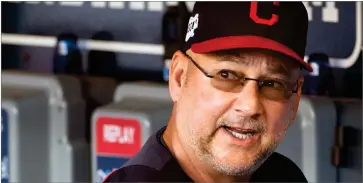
point(233, 42)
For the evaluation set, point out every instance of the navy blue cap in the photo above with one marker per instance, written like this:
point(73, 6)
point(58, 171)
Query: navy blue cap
point(276, 26)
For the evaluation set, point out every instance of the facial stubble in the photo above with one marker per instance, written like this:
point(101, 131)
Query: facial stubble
point(204, 150)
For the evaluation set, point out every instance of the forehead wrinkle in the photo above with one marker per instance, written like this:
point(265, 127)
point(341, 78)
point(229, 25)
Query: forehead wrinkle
point(232, 58)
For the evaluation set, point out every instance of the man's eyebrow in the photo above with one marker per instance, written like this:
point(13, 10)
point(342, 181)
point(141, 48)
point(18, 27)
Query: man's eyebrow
point(279, 69)
point(273, 68)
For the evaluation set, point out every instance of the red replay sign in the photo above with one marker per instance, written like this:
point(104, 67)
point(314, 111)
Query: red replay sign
point(120, 137)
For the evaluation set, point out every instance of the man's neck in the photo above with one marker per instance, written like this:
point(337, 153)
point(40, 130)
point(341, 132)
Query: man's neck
point(191, 164)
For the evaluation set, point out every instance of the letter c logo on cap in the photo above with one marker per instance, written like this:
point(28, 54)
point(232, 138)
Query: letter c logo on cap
point(255, 18)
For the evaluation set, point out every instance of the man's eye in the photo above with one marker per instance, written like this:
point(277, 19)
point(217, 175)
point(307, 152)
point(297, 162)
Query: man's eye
point(227, 75)
point(274, 84)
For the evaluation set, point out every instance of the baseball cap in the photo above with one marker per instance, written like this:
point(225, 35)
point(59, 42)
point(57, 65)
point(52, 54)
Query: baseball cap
point(278, 26)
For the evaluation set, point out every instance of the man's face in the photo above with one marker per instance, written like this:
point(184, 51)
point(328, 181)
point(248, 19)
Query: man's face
point(233, 130)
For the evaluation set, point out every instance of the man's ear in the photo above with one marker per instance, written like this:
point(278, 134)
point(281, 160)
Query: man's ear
point(298, 97)
point(177, 75)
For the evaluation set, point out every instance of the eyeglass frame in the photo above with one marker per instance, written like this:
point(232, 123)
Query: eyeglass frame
point(241, 79)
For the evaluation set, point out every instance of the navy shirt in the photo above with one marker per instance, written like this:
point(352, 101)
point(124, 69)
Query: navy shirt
point(154, 163)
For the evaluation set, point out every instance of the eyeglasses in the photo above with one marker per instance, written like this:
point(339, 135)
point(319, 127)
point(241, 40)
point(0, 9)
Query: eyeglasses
point(269, 88)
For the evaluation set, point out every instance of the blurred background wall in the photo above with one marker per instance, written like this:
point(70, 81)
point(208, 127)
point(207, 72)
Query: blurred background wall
point(335, 30)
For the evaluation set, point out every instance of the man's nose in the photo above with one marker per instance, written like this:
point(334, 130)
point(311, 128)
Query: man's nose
point(248, 101)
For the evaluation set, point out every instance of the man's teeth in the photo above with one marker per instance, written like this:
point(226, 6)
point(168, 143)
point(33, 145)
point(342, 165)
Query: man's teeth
point(242, 136)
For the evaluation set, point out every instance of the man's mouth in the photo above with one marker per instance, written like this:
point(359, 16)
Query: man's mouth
point(242, 134)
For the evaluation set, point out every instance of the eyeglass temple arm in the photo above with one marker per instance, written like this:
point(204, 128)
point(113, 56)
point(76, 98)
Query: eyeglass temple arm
point(201, 69)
